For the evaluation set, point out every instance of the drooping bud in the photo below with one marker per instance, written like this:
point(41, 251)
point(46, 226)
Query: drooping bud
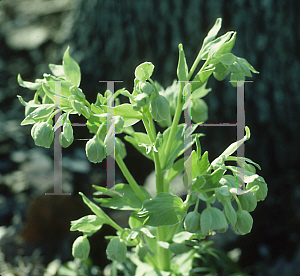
point(116, 250)
point(146, 87)
point(141, 99)
point(192, 222)
point(119, 124)
point(120, 148)
point(160, 108)
point(244, 222)
point(81, 248)
point(199, 111)
point(42, 134)
point(95, 150)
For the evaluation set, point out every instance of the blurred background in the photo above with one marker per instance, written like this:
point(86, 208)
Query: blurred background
point(109, 39)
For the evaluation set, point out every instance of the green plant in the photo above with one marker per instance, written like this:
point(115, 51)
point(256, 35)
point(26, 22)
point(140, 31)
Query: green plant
point(164, 237)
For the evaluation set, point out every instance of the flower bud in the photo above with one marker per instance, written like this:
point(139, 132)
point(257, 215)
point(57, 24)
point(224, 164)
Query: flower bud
point(95, 150)
point(81, 248)
point(64, 142)
point(116, 250)
point(192, 222)
point(146, 87)
point(119, 124)
point(244, 222)
point(199, 111)
point(120, 148)
point(160, 108)
point(248, 202)
point(141, 99)
point(42, 134)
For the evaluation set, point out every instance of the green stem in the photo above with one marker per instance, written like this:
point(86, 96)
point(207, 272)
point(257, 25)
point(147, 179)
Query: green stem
point(195, 64)
point(151, 260)
point(238, 202)
point(163, 254)
point(130, 178)
point(158, 170)
point(174, 125)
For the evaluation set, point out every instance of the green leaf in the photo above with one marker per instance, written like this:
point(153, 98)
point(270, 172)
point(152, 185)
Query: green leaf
point(42, 112)
point(140, 138)
point(164, 209)
point(129, 115)
point(177, 147)
point(204, 164)
point(232, 148)
point(135, 221)
point(182, 68)
point(191, 166)
point(220, 71)
point(27, 84)
point(237, 79)
point(212, 219)
point(182, 264)
point(248, 65)
point(71, 69)
point(175, 170)
point(124, 198)
point(227, 59)
point(87, 224)
point(144, 71)
point(244, 68)
point(212, 180)
point(116, 250)
point(95, 209)
point(241, 159)
point(57, 70)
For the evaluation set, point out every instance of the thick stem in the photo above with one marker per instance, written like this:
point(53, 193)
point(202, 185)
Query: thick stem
point(163, 255)
point(130, 178)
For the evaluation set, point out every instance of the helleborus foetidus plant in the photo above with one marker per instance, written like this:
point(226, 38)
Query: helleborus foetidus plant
point(163, 237)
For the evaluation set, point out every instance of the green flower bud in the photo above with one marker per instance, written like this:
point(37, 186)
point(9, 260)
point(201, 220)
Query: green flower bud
point(81, 248)
point(212, 219)
point(146, 87)
point(141, 99)
point(199, 111)
point(142, 251)
point(248, 202)
point(220, 72)
point(136, 107)
point(42, 134)
point(262, 192)
point(119, 124)
point(95, 150)
point(120, 148)
point(116, 250)
point(160, 108)
point(64, 142)
point(244, 222)
point(192, 222)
